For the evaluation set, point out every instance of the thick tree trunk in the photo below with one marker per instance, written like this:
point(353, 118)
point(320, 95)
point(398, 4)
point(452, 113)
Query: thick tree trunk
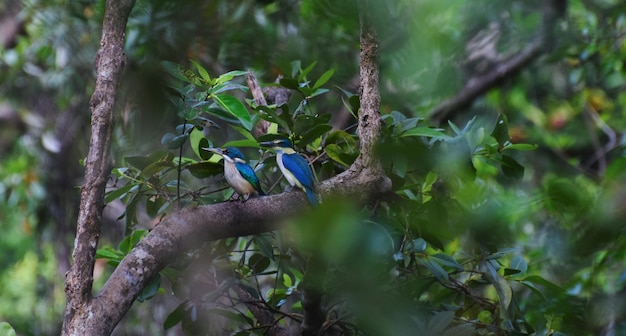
point(82, 315)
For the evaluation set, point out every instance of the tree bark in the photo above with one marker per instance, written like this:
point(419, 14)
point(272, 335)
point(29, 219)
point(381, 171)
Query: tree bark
point(79, 316)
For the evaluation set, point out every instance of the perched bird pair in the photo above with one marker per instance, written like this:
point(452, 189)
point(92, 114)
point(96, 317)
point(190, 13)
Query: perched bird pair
point(241, 177)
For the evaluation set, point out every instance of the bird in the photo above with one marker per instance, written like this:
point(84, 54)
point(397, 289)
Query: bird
point(239, 175)
point(294, 167)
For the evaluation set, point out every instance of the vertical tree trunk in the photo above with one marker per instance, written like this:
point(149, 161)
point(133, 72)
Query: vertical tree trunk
point(80, 314)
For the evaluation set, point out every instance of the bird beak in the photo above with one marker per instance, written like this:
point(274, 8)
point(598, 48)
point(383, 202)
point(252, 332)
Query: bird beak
point(267, 144)
point(218, 151)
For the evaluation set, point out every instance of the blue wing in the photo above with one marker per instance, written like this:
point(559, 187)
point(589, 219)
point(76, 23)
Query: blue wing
point(300, 169)
point(248, 174)
point(298, 166)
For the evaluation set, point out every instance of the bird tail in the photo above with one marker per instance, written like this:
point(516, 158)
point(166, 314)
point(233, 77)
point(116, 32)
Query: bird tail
point(311, 196)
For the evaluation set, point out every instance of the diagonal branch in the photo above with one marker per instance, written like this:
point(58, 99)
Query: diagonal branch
point(480, 84)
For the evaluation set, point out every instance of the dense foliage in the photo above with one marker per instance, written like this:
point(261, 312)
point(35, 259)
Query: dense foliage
point(506, 220)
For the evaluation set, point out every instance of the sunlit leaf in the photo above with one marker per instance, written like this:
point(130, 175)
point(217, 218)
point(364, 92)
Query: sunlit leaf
point(202, 71)
point(229, 76)
point(235, 107)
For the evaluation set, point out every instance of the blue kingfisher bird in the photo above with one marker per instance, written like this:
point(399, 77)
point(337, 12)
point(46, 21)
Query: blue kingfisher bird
point(294, 167)
point(239, 175)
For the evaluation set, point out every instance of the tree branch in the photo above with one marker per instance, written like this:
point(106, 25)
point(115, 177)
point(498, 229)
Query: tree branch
point(109, 63)
point(480, 84)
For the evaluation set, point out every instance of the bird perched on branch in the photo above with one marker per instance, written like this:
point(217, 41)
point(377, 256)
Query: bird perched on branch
point(239, 175)
point(294, 167)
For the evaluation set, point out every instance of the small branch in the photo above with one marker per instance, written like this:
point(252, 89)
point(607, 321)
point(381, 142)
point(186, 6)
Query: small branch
point(479, 85)
point(261, 313)
point(276, 95)
point(259, 99)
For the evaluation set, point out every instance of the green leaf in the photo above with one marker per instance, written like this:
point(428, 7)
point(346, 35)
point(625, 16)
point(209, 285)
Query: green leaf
point(323, 78)
point(269, 114)
point(118, 193)
point(236, 317)
point(229, 75)
point(316, 92)
point(533, 288)
point(418, 245)
point(520, 147)
point(425, 132)
point(154, 205)
point(296, 66)
point(538, 280)
point(127, 244)
point(6, 329)
point(139, 162)
point(503, 288)
point(258, 263)
point(289, 83)
point(197, 141)
point(151, 289)
point(314, 133)
point(175, 317)
point(435, 268)
point(109, 253)
point(205, 169)
point(264, 244)
point(287, 280)
point(305, 72)
point(235, 107)
point(501, 130)
point(184, 128)
point(174, 141)
point(518, 263)
point(202, 71)
point(155, 167)
point(447, 260)
point(511, 168)
point(338, 155)
point(246, 133)
point(242, 143)
point(182, 73)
